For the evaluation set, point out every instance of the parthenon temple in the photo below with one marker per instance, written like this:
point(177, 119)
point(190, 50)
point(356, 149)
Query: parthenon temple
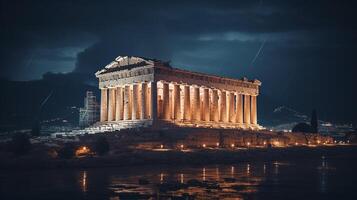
point(150, 91)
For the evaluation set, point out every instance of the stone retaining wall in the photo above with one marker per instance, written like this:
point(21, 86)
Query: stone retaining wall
point(198, 138)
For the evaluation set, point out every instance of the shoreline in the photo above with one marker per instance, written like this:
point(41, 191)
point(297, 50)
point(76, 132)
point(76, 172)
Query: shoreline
point(197, 157)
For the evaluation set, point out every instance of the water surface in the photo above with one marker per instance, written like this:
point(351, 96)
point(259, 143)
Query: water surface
point(318, 178)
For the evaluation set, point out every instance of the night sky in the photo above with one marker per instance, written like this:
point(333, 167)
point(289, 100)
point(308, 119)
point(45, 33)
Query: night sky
point(307, 49)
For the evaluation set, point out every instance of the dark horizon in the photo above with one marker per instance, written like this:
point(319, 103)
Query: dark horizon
point(303, 52)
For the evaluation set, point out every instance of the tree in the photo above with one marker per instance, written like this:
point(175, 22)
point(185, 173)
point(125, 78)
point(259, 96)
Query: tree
point(302, 128)
point(101, 145)
point(314, 123)
point(20, 143)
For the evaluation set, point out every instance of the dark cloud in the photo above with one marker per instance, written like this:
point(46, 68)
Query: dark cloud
point(307, 61)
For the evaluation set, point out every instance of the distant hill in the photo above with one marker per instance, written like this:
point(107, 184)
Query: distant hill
point(283, 117)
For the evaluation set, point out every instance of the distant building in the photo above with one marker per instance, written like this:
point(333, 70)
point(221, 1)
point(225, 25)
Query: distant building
point(90, 113)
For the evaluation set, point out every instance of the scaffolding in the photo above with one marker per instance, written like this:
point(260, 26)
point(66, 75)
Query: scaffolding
point(89, 114)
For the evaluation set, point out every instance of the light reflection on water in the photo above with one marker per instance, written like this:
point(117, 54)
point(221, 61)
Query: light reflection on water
point(199, 182)
point(222, 181)
point(83, 181)
point(264, 180)
point(324, 168)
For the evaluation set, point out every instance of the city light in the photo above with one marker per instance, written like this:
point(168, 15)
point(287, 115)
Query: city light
point(161, 177)
point(82, 151)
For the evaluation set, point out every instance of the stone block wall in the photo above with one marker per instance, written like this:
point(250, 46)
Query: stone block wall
point(199, 137)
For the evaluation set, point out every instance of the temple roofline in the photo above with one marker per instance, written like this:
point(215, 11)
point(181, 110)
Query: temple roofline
point(243, 79)
point(135, 62)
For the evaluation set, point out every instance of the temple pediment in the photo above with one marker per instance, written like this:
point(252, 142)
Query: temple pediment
point(125, 63)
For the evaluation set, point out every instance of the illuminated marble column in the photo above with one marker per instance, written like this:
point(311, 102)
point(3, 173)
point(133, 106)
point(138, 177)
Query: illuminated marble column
point(111, 105)
point(246, 118)
point(104, 105)
point(214, 107)
point(135, 102)
point(231, 107)
point(127, 102)
point(144, 90)
point(196, 104)
point(153, 100)
point(130, 102)
point(223, 102)
point(177, 101)
point(253, 110)
point(206, 111)
point(119, 104)
point(239, 111)
point(166, 101)
point(187, 103)
point(148, 101)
